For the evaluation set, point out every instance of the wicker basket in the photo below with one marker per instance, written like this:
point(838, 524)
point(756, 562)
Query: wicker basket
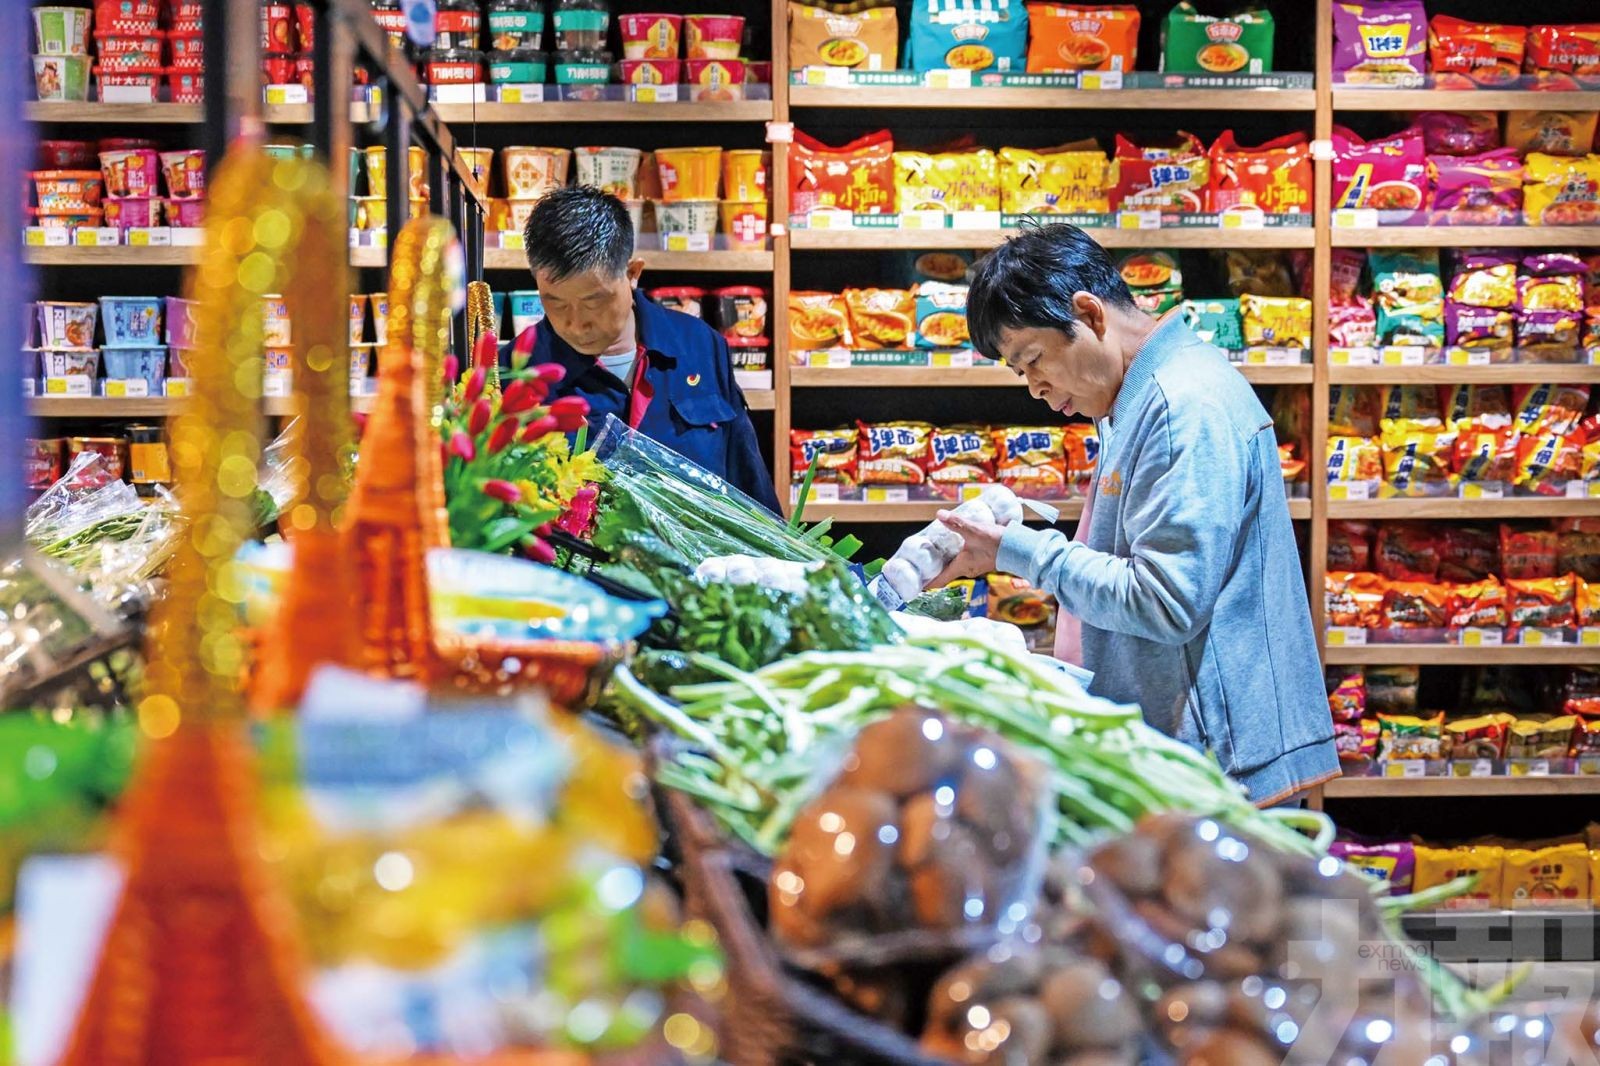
point(772, 1014)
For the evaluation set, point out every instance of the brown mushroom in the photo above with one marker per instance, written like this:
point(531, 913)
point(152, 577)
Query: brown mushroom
point(910, 751)
point(1090, 1008)
point(835, 868)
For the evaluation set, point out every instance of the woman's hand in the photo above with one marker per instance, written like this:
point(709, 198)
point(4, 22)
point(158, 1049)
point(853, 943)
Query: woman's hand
point(980, 545)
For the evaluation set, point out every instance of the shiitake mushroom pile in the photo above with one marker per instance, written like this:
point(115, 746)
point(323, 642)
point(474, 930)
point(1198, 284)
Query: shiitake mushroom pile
point(932, 827)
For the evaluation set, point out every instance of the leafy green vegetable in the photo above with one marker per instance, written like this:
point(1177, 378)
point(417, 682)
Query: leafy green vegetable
point(943, 605)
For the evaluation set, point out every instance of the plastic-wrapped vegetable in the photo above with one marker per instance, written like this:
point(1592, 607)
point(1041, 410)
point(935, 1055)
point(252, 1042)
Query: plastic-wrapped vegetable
point(932, 827)
point(927, 552)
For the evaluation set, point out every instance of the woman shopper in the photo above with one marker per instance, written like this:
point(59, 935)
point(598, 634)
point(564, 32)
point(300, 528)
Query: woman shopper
point(1182, 591)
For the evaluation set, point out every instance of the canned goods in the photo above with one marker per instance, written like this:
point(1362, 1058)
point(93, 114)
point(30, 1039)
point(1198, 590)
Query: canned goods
point(453, 66)
point(457, 24)
point(740, 312)
point(148, 463)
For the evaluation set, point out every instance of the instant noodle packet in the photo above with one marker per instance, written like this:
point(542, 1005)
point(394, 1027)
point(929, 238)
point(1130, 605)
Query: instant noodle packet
point(1417, 605)
point(947, 181)
point(1081, 445)
point(1275, 177)
point(858, 177)
point(835, 450)
point(1586, 607)
point(1440, 866)
point(1275, 321)
point(1354, 600)
point(1067, 38)
point(1404, 736)
point(1486, 53)
point(1540, 738)
point(818, 320)
point(1388, 174)
point(1258, 271)
point(1548, 406)
point(1476, 190)
point(1416, 457)
point(1573, 51)
point(1356, 743)
point(893, 453)
point(881, 318)
point(1051, 181)
point(1393, 864)
point(1485, 279)
point(961, 455)
point(1407, 551)
point(1379, 42)
point(843, 35)
point(1154, 279)
point(1483, 737)
point(1544, 603)
point(1527, 553)
point(1478, 327)
point(1415, 405)
point(1354, 459)
point(1349, 545)
point(968, 35)
point(1547, 460)
point(1551, 281)
point(1392, 688)
point(1561, 191)
point(1459, 132)
point(1567, 133)
point(1484, 452)
point(1409, 296)
point(1170, 177)
point(1192, 43)
point(1347, 692)
point(1479, 603)
point(1556, 876)
point(942, 316)
point(1354, 410)
point(1030, 460)
point(1215, 322)
point(1468, 553)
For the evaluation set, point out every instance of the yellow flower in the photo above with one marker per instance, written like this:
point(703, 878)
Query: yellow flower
point(576, 472)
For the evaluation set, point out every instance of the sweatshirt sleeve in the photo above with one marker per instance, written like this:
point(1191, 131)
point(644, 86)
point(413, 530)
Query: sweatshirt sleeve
point(1183, 499)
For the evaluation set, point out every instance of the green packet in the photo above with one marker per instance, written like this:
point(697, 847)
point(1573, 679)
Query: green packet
point(1192, 43)
point(1216, 322)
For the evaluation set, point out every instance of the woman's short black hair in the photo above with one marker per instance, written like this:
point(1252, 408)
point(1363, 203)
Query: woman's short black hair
point(1029, 281)
point(577, 229)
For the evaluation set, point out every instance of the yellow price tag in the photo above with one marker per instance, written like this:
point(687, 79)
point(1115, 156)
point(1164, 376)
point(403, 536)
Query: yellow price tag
point(277, 95)
point(139, 238)
point(116, 389)
point(1471, 638)
point(877, 495)
point(55, 386)
point(822, 221)
point(177, 388)
point(1532, 637)
point(644, 94)
point(1335, 638)
point(510, 96)
point(1337, 491)
point(1590, 637)
point(1129, 220)
point(35, 238)
point(942, 359)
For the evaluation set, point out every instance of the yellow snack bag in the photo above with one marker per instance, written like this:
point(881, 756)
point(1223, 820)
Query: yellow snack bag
point(1354, 459)
point(1440, 866)
point(1275, 321)
point(947, 181)
point(1556, 876)
point(1415, 454)
point(1054, 181)
point(1561, 191)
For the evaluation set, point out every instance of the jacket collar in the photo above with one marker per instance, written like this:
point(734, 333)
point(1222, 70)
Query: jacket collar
point(1171, 333)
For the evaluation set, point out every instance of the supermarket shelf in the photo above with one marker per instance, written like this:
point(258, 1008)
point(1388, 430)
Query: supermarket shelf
point(1459, 655)
point(115, 255)
point(714, 261)
point(151, 407)
point(1462, 100)
point(880, 97)
point(760, 399)
point(97, 113)
point(1502, 374)
point(1300, 509)
point(868, 239)
point(607, 111)
point(884, 377)
point(1446, 785)
point(377, 258)
point(915, 511)
point(1508, 936)
point(1451, 507)
point(1465, 236)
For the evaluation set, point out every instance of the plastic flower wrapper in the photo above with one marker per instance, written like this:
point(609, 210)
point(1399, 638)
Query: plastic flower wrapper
point(510, 470)
point(471, 880)
point(282, 476)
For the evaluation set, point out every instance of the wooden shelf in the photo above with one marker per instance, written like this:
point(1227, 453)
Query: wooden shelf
point(116, 255)
point(606, 111)
point(1352, 99)
point(1459, 655)
point(916, 511)
point(1502, 374)
point(149, 407)
point(1418, 787)
point(711, 262)
point(1050, 99)
point(926, 377)
point(1300, 509)
point(760, 399)
point(1467, 236)
point(845, 240)
point(93, 112)
point(375, 258)
point(1451, 507)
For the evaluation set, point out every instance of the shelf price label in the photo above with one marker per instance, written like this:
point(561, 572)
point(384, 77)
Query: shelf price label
point(653, 94)
point(1104, 79)
point(1402, 356)
point(1350, 356)
point(1350, 490)
point(1482, 490)
point(886, 494)
point(1478, 768)
point(276, 383)
point(971, 492)
point(1481, 637)
point(126, 388)
point(1355, 218)
point(962, 358)
point(1405, 768)
point(688, 242)
point(1583, 490)
point(1530, 767)
point(1138, 219)
point(71, 385)
point(1242, 218)
point(1468, 357)
point(176, 388)
point(949, 79)
point(1589, 637)
point(1345, 637)
point(819, 494)
point(521, 94)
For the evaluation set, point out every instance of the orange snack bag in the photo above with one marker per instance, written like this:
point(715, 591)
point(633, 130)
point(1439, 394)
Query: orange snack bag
point(1417, 605)
point(1484, 52)
point(893, 453)
point(1354, 600)
point(1481, 604)
point(1031, 461)
point(1484, 452)
point(881, 318)
point(858, 177)
point(1569, 50)
point(1063, 38)
point(1082, 446)
point(1172, 176)
point(1547, 460)
point(1275, 177)
point(818, 320)
point(1415, 454)
point(1543, 603)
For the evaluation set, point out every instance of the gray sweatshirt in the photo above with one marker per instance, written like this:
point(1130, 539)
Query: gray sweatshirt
point(1188, 582)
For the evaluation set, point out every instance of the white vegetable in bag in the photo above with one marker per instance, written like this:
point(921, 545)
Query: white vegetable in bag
point(902, 579)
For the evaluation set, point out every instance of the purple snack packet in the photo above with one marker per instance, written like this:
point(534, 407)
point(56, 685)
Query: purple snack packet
point(1476, 190)
point(1459, 132)
point(1552, 264)
point(1394, 862)
point(1484, 278)
point(1466, 326)
point(1548, 328)
point(1377, 43)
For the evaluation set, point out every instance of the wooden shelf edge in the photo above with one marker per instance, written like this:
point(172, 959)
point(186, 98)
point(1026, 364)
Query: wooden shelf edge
point(716, 261)
point(116, 255)
point(607, 111)
point(1465, 236)
point(760, 399)
point(88, 407)
point(1499, 374)
point(879, 98)
point(1358, 99)
point(914, 511)
point(1451, 507)
point(1418, 787)
point(912, 239)
point(926, 377)
point(1458, 655)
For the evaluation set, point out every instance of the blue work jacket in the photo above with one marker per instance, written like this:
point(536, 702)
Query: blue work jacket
point(697, 409)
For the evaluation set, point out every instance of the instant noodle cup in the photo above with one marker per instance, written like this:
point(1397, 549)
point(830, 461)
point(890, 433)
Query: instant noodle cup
point(1561, 191)
point(62, 31)
point(692, 217)
point(62, 192)
point(130, 173)
point(518, 210)
point(635, 216)
point(613, 170)
point(187, 213)
point(131, 321)
point(140, 50)
point(378, 170)
point(530, 173)
point(715, 79)
point(1484, 52)
point(689, 173)
point(652, 71)
point(478, 162)
point(64, 324)
point(372, 213)
point(275, 330)
point(745, 223)
point(185, 172)
point(137, 364)
point(69, 362)
point(379, 302)
point(684, 298)
point(1077, 37)
point(72, 220)
point(499, 220)
point(758, 71)
point(861, 40)
point(744, 174)
point(180, 323)
point(518, 66)
point(358, 317)
point(149, 80)
point(713, 36)
point(188, 51)
point(525, 308)
point(61, 78)
point(650, 36)
point(740, 312)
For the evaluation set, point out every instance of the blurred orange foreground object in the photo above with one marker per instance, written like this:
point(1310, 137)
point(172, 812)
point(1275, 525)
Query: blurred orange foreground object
point(200, 962)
